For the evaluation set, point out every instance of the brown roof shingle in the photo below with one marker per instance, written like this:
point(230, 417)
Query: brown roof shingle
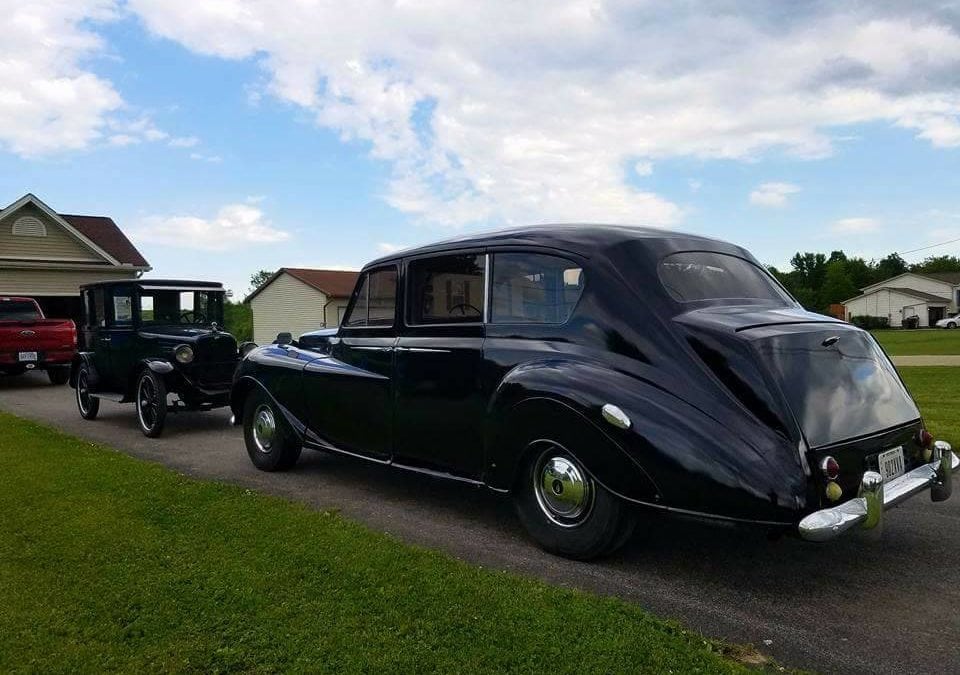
point(103, 232)
point(332, 283)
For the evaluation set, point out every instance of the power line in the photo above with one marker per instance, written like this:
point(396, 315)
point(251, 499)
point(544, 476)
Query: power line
point(924, 248)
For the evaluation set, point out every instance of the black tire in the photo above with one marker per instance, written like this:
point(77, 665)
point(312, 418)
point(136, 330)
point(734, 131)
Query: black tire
point(89, 406)
point(270, 443)
point(564, 509)
point(58, 376)
point(951, 325)
point(151, 403)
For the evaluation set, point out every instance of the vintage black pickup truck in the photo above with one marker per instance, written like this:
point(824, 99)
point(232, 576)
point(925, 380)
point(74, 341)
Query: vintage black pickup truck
point(594, 372)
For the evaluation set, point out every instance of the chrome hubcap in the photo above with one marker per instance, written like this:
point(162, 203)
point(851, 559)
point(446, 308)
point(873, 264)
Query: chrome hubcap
point(563, 490)
point(264, 429)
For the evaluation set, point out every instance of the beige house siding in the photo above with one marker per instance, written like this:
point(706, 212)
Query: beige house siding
point(917, 283)
point(36, 282)
point(335, 311)
point(895, 306)
point(287, 305)
point(57, 245)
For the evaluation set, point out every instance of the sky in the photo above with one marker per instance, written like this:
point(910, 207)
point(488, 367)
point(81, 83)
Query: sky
point(229, 136)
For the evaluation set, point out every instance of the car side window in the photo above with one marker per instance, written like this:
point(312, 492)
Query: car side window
point(447, 289)
point(122, 308)
point(376, 300)
point(534, 288)
point(99, 309)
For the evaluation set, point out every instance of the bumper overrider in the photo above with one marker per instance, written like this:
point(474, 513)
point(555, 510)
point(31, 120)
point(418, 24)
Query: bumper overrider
point(876, 496)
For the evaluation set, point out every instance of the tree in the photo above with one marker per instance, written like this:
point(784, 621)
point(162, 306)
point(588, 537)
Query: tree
point(810, 269)
point(837, 285)
point(259, 278)
point(937, 263)
point(891, 266)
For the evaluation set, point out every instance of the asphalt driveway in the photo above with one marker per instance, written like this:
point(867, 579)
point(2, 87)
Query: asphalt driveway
point(864, 604)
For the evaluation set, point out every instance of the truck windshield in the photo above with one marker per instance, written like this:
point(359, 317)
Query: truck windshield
point(703, 275)
point(18, 310)
point(180, 307)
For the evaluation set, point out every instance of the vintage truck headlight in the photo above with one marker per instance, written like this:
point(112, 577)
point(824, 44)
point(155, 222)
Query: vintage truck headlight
point(183, 353)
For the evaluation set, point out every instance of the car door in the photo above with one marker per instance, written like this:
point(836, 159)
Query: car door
point(439, 398)
point(118, 339)
point(350, 394)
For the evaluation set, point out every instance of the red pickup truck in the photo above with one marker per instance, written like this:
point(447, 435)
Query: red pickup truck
point(29, 341)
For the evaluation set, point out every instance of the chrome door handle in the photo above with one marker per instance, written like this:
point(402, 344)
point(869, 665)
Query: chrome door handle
point(106, 339)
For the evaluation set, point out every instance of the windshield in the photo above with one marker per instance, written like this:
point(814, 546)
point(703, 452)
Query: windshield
point(18, 310)
point(702, 275)
point(176, 307)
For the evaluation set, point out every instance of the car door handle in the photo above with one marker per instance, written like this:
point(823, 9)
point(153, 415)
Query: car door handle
point(423, 350)
point(374, 349)
point(106, 339)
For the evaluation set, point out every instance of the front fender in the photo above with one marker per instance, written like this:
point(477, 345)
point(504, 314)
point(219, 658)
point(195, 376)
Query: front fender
point(725, 464)
point(84, 358)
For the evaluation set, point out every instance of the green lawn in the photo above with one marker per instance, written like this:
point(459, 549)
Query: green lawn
point(110, 563)
point(936, 390)
point(928, 341)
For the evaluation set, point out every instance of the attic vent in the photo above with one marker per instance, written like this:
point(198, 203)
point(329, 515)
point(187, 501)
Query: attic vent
point(28, 226)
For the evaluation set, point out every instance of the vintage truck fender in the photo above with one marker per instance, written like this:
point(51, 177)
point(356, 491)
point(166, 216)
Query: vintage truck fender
point(84, 358)
point(671, 455)
point(276, 371)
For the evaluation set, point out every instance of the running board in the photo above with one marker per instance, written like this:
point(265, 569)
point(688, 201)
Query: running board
point(116, 398)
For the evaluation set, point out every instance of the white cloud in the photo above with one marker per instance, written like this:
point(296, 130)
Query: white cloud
point(387, 248)
point(643, 168)
point(233, 226)
point(505, 111)
point(184, 142)
point(854, 226)
point(773, 194)
point(200, 157)
point(48, 102)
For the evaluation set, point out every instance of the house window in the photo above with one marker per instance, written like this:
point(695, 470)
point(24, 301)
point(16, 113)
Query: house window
point(446, 289)
point(376, 300)
point(28, 226)
point(534, 288)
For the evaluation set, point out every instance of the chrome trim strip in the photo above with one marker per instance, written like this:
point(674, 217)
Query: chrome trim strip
point(876, 496)
point(426, 350)
point(366, 348)
point(486, 288)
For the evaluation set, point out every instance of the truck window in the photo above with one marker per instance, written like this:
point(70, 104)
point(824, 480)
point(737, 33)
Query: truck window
point(18, 310)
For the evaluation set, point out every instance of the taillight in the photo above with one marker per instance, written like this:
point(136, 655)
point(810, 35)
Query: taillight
point(830, 468)
point(924, 438)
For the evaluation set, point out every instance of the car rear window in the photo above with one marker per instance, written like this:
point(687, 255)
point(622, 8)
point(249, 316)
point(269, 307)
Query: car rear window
point(704, 275)
point(18, 310)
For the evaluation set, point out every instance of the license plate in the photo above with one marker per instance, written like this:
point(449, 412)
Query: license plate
point(891, 463)
point(28, 356)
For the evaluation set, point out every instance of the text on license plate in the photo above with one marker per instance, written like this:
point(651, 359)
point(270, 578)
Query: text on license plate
point(28, 356)
point(891, 463)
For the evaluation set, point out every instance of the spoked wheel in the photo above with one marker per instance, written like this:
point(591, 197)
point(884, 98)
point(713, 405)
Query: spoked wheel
point(565, 509)
point(88, 405)
point(151, 403)
point(270, 444)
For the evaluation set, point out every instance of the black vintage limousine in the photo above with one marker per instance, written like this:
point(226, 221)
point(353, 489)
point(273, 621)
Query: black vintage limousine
point(595, 371)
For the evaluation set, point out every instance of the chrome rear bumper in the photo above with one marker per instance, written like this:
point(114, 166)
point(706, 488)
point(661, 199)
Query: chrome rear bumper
point(875, 496)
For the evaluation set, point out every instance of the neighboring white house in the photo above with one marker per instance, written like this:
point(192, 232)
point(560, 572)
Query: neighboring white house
point(297, 301)
point(929, 297)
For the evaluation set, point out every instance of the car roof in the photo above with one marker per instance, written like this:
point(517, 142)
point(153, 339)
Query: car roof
point(580, 238)
point(171, 283)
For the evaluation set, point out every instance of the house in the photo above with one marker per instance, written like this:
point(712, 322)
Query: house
point(48, 255)
point(929, 296)
point(296, 300)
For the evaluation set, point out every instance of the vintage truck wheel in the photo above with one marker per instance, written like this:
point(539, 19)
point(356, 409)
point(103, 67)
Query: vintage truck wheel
point(88, 405)
point(565, 510)
point(151, 403)
point(269, 442)
point(58, 376)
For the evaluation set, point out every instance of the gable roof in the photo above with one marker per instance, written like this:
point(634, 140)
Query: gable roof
point(104, 232)
point(332, 283)
point(949, 278)
point(99, 233)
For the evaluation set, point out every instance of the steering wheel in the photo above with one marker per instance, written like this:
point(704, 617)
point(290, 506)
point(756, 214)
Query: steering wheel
point(188, 316)
point(463, 307)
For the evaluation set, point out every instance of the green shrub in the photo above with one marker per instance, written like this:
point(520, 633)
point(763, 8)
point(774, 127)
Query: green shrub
point(870, 322)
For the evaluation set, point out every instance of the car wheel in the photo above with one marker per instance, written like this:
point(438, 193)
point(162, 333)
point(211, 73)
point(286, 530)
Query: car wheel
point(951, 325)
point(564, 509)
point(270, 444)
point(151, 403)
point(88, 405)
point(58, 376)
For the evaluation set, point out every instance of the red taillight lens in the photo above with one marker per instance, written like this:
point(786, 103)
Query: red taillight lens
point(830, 468)
point(924, 438)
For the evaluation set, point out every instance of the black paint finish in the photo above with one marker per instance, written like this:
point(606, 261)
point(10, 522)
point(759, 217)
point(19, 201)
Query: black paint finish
point(707, 384)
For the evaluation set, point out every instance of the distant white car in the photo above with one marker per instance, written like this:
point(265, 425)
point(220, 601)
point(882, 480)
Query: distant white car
point(949, 322)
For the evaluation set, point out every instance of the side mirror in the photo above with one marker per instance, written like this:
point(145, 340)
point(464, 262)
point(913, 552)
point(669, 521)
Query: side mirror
point(283, 339)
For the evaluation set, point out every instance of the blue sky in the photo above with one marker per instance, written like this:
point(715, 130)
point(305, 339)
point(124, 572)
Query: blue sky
point(226, 137)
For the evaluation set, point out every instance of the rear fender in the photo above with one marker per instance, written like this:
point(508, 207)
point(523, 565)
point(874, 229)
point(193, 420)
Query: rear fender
point(672, 454)
point(84, 359)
